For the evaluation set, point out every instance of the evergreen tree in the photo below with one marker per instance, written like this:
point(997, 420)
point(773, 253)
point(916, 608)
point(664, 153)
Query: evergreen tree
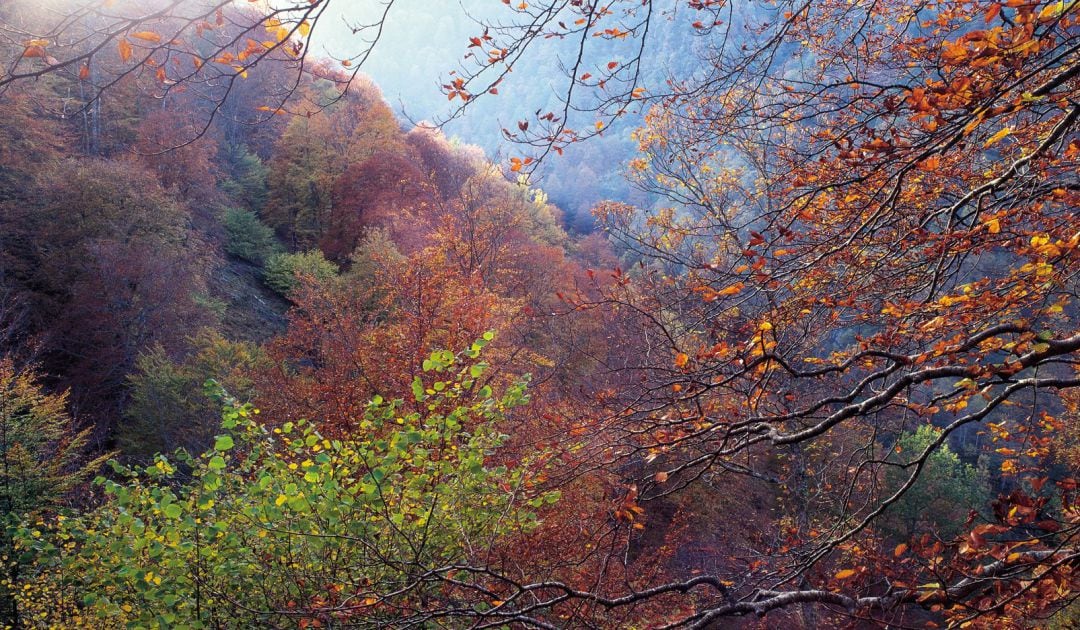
point(39, 462)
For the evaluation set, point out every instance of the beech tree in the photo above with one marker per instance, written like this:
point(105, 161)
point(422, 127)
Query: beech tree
point(111, 267)
point(872, 228)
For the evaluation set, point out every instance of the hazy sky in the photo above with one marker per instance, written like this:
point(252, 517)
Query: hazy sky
point(422, 41)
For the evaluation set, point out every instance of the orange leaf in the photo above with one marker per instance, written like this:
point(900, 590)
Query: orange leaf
point(681, 359)
point(845, 574)
point(900, 549)
point(84, 72)
point(124, 48)
point(147, 36)
point(732, 290)
point(612, 65)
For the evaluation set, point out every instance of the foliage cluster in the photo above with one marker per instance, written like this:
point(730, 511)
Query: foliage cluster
point(286, 526)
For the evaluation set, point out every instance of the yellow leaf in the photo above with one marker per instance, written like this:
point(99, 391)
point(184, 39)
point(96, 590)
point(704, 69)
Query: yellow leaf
point(1055, 9)
point(993, 226)
point(305, 28)
point(845, 574)
point(997, 136)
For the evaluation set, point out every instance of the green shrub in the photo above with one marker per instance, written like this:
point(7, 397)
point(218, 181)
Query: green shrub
point(283, 271)
point(266, 519)
point(245, 180)
point(248, 237)
point(169, 408)
point(939, 501)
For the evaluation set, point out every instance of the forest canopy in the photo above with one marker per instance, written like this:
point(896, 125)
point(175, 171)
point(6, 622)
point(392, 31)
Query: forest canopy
point(675, 313)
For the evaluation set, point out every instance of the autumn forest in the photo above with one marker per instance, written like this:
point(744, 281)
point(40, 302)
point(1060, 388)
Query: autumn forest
point(540, 314)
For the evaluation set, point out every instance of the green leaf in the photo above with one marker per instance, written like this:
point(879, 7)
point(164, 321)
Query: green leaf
point(216, 463)
point(223, 443)
point(173, 510)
